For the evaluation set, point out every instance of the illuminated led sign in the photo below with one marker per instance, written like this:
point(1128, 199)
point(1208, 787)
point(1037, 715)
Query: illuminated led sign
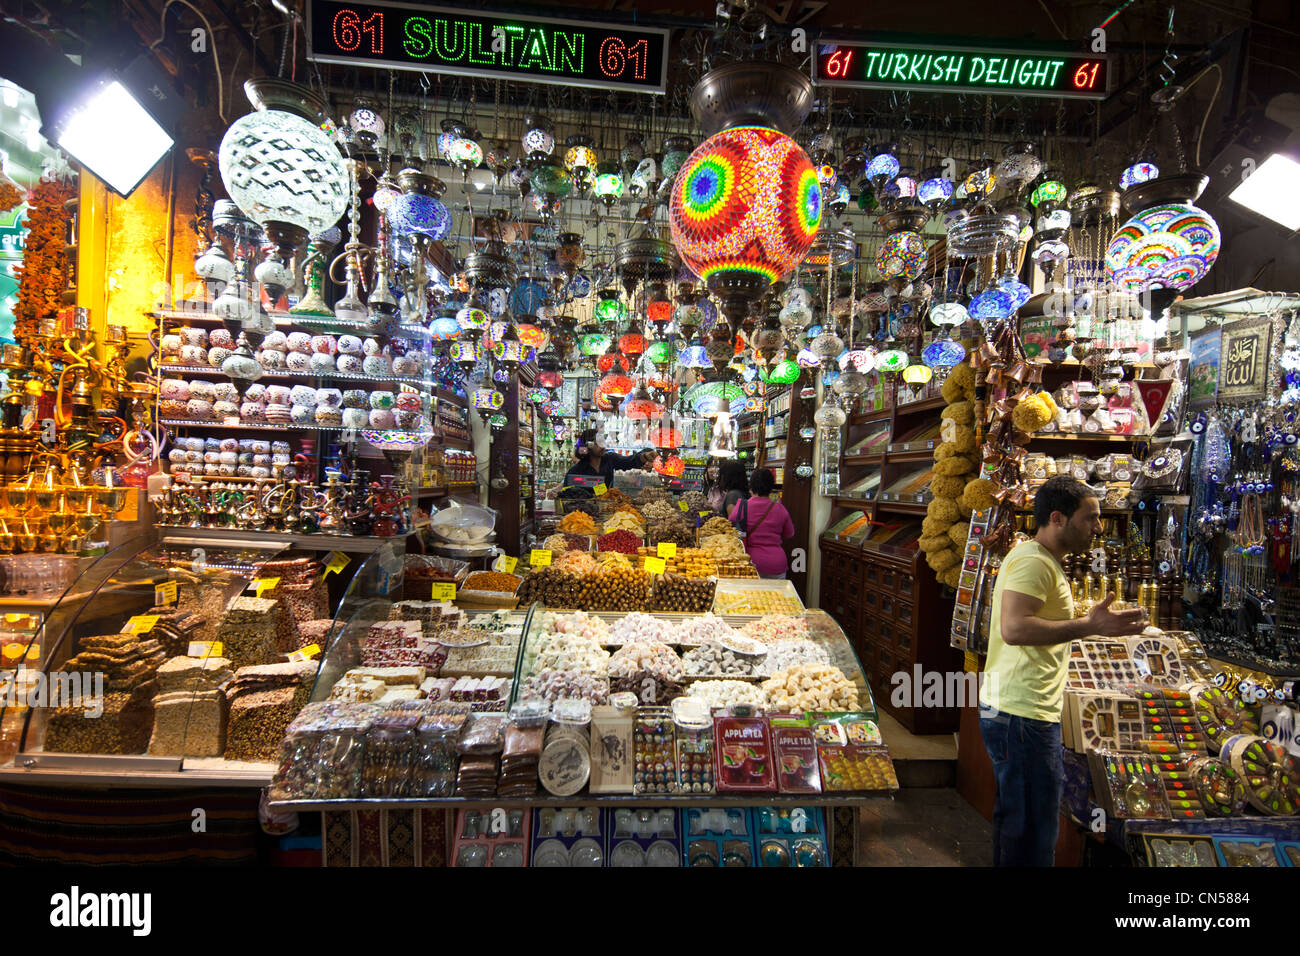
point(446, 40)
point(893, 66)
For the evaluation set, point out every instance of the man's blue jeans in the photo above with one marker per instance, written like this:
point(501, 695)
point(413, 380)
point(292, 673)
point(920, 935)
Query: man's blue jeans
point(1026, 758)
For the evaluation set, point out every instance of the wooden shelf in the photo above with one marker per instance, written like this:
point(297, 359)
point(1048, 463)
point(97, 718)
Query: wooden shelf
point(1073, 436)
point(866, 418)
point(901, 507)
point(849, 502)
point(902, 457)
point(925, 405)
point(860, 460)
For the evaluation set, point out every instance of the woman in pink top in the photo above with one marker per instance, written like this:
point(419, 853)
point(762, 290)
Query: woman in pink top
point(766, 524)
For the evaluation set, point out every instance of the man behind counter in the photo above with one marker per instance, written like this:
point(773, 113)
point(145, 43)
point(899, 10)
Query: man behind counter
point(595, 462)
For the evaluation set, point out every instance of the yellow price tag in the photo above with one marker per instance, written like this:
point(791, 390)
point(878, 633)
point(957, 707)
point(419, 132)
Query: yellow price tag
point(205, 649)
point(683, 505)
point(505, 564)
point(164, 593)
point(444, 592)
point(601, 489)
point(263, 584)
point(141, 624)
point(336, 561)
point(307, 653)
point(540, 558)
point(667, 549)
point(654, 565)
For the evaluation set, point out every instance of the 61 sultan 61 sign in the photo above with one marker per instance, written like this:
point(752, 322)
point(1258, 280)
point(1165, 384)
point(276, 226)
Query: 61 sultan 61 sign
point(446, 40)
point(892, 66)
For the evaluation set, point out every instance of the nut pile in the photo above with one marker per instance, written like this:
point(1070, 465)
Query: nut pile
point(673, 592)
point(727, 693)
point(672, 529)
point(697, 501)
point(712, 658)
point(658, 510)
point(717, 526)
point(810, 687)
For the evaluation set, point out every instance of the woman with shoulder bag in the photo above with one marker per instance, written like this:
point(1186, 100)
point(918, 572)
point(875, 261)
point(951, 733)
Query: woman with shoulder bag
point(766, 526)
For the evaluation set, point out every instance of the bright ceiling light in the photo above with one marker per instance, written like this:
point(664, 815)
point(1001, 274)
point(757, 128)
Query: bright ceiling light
point(114, 137)
point(1273, 191)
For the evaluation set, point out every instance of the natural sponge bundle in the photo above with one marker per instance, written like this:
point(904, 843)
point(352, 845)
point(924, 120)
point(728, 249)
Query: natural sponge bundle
point(955, 470)
point(1034, 412)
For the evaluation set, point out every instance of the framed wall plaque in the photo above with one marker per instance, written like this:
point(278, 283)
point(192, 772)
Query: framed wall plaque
point(1243, 360)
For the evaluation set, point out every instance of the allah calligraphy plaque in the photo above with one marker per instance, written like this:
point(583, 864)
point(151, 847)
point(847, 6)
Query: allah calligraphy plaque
point(1243, 363)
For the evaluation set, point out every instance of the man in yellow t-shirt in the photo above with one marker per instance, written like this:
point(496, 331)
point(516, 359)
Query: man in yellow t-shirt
point(1023, 688)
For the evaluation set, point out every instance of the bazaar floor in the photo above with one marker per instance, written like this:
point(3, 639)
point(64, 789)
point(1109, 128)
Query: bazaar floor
point(928, 823)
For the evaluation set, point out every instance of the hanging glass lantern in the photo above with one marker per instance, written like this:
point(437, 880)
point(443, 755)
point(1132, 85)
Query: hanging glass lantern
point(569, 254)
point(530, 335)
point(891, 360)
point(1019, 164)
point(943, 355)
point(538, 396)
point(551, 180)
point(694, 356)
point(745, 206)
point(677, 149)
point(807, 358)
point(660, 353)
point(608, 185)
point(659, 308)
point(883, 165)
point(444, 328)
point(472, 321)
point(633, 344)
point(917, 375)
point(948, 313)
point(901, 255)
point(1050, 190)
point(616, 385)
point(419, 211)
point(466, 154)
point(367, 125)
point(785, 372)
point(466, 353)
point(488, 399)
point(498, 421)
point(831, 414)
point(1168, 246)
point(550, 379)
point(593, 344)
point(537, 136)
point(610, 308)
point(612, 361)
point(580, 159)
point(554, 409)
point(1139, 172)
point(934, 189)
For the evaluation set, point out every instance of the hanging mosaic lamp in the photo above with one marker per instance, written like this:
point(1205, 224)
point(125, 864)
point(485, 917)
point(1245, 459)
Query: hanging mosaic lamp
point(616, 385)
point(608, 185)
point(580, 159)
point(612, 361)
point(785, 372)
point(1169, 244)
point(902, 254)
point(883, 165)
point(537, 136)
point(632, 345)
point(746, 205)
point(1139, 172)
point(419, 210)
point(593, 344)
point(488, 399)
point(610, 308)
point(891, 360)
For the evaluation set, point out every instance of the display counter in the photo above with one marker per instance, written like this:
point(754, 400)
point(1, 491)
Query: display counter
point(178, 661)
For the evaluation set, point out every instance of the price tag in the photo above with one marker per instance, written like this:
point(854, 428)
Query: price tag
point(540, 558)
point(336, 562)
point(444, 592)
point(307, 653)
point(683, 505)
point(140, 624)
point(505, 564)
point(667, 549)
point(601, 489)
point(654, 565)
point(263, 584)
point(164, 593)
point(204, 649)
point(705, 514)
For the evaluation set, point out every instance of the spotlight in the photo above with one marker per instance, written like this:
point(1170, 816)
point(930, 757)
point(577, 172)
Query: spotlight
point(1272, 191)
